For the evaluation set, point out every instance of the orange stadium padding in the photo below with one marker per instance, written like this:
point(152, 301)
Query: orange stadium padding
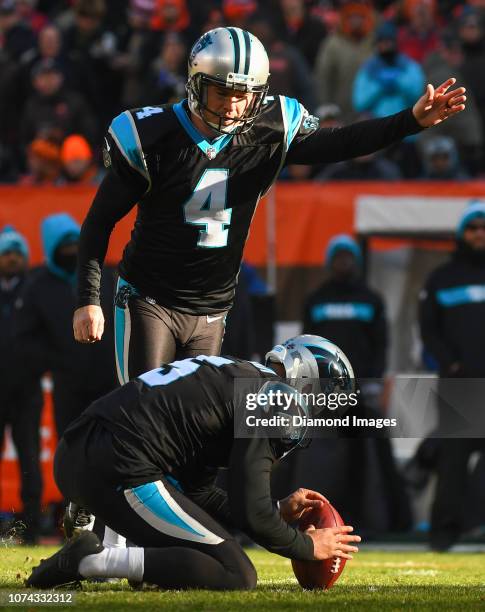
point(307, 216)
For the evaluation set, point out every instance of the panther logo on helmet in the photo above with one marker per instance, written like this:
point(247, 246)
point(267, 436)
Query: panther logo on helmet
point(203, 42)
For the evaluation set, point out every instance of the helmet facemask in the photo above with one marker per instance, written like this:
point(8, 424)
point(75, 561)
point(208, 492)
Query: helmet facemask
point(197, 89)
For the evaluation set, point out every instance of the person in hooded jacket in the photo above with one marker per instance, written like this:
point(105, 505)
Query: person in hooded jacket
point(348, 312)
point(21, 393)
point(452, 311)
point(80, 373)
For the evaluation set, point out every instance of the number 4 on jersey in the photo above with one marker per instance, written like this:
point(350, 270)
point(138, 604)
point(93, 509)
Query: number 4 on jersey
point(207, 207)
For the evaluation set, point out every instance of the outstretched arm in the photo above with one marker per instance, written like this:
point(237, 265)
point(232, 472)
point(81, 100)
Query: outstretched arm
point(364, 137)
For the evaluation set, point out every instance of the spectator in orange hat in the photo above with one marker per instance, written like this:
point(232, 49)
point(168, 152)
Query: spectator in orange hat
point(77, 162)
point(43, 162)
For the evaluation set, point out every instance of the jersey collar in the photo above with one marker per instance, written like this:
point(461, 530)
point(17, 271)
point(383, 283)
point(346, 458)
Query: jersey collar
point(210, 149)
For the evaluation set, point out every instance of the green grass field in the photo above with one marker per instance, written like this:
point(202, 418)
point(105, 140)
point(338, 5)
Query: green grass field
point(373, 581)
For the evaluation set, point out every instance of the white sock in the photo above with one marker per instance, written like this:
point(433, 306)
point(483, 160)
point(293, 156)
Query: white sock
point(114, 563)
point(113, 539)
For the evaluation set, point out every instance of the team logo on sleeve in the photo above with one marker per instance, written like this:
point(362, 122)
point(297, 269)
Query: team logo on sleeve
point(106, 155)
point(310, 123)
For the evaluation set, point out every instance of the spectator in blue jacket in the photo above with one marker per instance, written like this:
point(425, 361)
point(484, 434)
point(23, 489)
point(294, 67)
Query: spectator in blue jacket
point(389, 81)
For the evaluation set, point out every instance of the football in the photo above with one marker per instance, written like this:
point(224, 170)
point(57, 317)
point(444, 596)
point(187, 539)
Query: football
point(319, 574)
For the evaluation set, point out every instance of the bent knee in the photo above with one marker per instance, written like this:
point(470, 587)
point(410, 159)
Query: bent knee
point(248, 578)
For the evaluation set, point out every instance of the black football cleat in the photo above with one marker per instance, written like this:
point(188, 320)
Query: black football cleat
point(63, 566)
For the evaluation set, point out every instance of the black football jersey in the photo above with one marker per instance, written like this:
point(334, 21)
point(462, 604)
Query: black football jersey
point(196, 198)
point(179, 418)
point(193, 220)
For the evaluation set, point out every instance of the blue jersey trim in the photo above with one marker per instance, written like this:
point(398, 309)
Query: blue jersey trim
point(343, 311)
point(126, 137)
point(458, 296)
point(174, 482)
point(293, 113)
point(149, 495)
point(217, 145)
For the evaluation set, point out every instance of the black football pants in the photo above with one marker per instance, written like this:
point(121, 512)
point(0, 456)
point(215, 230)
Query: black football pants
point(184, 547)
point(148, 335)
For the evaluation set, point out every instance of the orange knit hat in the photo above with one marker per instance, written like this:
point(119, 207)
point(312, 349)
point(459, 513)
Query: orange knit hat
point(75, 147)
point(44, 149)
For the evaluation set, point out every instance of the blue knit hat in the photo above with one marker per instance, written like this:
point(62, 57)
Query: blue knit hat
point(343, 242)
point(11, 240)
point(475, 210)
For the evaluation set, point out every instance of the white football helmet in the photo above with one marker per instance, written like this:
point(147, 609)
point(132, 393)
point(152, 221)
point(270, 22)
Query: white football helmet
point(231, 58)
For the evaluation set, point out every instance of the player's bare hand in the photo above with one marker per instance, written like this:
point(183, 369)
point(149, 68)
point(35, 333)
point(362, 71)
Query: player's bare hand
point(295, 505)
point(437, 105)
point(88, 324)
point(333, 542)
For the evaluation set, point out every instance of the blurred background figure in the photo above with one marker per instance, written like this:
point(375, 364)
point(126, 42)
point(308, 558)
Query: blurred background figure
point(238, 13)
point(239, 337)
point(43, 163)
point(467, 129)
point(137, 45)
point(419, 35)
point(21, 400)
point(17, 37)
point(441, 161)
point(53, 110)
point(346, 311)
point(290, 75)
point(298, 27)
point(78, 166)
point(80, 373)
point(166, 77)
point(389, 81)
point(452, 310)
point(173, 16)
point(471, 34)
point(342, 53)
point(29, 15)
point(90, 47)
point(49, 47)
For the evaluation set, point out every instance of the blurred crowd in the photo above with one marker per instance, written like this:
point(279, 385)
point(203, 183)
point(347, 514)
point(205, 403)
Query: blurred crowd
point(67, 67)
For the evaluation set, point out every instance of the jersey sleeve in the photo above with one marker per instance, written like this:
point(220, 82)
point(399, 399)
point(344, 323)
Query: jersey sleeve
point(124, 152)
point(251, 506)
point(298, 124)
point(314, 145)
